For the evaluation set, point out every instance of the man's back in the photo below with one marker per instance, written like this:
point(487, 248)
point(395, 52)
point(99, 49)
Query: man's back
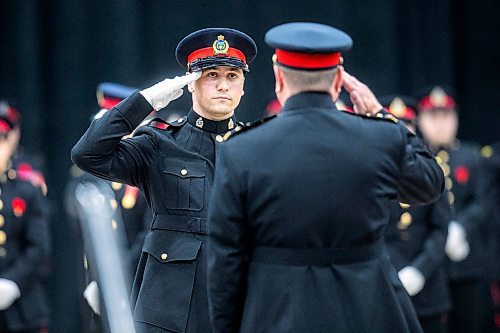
point(297, 218)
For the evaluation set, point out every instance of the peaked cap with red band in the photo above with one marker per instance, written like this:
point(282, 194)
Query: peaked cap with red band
point(403, 107)
point(110, 94)
point(10, 118)
point(438, 99)
point(308, 46)
point(213, 47)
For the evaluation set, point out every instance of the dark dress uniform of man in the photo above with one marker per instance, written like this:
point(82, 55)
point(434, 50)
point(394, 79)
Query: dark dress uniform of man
point(24, 238)
point(468, 194)
point(415, 239)
point(173, 164)
point(295, 228)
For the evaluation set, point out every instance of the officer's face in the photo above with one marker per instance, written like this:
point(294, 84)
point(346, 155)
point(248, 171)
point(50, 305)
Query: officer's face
point(438, 128)
point(8, 145)
point(218, 91)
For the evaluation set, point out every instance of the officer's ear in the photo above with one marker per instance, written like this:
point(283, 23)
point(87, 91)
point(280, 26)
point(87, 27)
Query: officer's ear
point(337, 83)
point(190, 85)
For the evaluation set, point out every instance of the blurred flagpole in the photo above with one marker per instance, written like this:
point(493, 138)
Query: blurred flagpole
point(96, 215)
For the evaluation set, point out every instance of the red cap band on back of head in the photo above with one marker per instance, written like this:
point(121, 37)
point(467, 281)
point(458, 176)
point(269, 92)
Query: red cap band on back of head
point(308, 60)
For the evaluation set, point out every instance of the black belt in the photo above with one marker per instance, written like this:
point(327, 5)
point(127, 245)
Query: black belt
point(317, 256)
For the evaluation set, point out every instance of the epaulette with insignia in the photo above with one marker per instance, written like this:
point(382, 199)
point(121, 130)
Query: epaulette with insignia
point(162, 124)
point(245, 127)
point(382, 115)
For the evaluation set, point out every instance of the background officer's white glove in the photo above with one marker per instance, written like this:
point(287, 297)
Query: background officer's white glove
point(167, 90)
point(91, 295)
point(457, 247)
point(9, 293)
point(412, 279)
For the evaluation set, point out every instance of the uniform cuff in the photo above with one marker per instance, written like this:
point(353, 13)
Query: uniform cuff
point(134, 109)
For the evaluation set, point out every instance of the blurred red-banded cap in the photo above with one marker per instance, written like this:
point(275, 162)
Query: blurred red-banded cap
point(403, 107)
point(437, 98)
point(10, 118)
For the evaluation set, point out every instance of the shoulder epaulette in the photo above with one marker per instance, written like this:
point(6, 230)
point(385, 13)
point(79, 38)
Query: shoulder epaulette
point(162, 124)
point(245, 127)
point(381, 115)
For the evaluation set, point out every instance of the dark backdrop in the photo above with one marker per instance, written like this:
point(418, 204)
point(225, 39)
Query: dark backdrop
point(53, 54)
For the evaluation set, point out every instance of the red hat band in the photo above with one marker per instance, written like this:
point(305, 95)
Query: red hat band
point(308, 60)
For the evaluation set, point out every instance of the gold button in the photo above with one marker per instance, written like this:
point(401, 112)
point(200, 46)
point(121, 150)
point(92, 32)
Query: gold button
point(444, 156)
point(219, 138)
point(446, 169)
point(403, 205)
point(113, 204)
point(448, 183)
point(451, 198)
point(114, 224)
point(405, 219)
point(11, 174)
point(116, 186)
point(3, 237)
point(164, 256)
point(1, 204)
point(438, 160)
point(3, 252)
point(184, 172)
point(2, 221)
point(380, 115)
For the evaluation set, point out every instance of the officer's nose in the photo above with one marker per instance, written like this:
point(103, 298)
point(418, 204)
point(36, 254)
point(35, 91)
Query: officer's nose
point(223, 85)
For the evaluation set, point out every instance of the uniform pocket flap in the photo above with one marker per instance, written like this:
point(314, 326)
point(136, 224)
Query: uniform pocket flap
point(184, 168)
point(167, 247)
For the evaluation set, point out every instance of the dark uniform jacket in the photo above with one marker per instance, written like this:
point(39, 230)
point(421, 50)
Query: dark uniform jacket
point(173, 164)
point(299, 207)
point(416, 237)
point(24, 249)
point(469, 194)
point(492, 159)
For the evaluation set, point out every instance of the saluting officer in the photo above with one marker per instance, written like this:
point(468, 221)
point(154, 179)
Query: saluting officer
point(415, 239)
point(173, 164)
point(468, 193)
point(295, 228)
point(24, 236)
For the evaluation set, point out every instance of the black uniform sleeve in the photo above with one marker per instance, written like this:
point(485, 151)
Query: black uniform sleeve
point(37, 243)
point(421, 179)
point(227, 248)
point(102, 152)
point(433, 255)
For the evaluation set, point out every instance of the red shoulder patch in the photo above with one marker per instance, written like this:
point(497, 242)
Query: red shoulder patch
point(18, 206)
point(159, 124)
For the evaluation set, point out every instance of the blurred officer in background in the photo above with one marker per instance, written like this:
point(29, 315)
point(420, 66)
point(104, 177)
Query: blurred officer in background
point(131, 218)
point(24, 236)
point(468, 193)
point(173, 164)
point(415, 239)
point(296, 228)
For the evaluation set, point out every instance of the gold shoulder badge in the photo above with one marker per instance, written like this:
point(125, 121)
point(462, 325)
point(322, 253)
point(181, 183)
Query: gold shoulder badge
point(221, 46)
point(391, 117)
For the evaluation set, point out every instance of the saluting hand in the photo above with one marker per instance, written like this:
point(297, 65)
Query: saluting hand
point(362, 98)
point(168, 90)
point(9, 293)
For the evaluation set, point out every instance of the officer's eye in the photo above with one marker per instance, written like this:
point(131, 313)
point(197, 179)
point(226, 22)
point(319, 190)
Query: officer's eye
point(232, 76)
point(212, 74)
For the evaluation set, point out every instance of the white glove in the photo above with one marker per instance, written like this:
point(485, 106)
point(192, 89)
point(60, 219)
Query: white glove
point(167, 90)
point(412, 280)
point(91, 295)
point(457, 247)
point(9, 293)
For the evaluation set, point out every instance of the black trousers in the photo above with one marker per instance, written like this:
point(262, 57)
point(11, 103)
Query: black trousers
point(472, 307)
point(434, 324)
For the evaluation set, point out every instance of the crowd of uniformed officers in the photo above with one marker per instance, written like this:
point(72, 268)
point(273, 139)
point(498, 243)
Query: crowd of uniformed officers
point(357, 214)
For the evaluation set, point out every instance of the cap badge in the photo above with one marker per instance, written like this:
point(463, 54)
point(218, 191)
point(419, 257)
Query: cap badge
point(221, 46)
point(397, 107)
point(438, 97)
point(199, 122)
